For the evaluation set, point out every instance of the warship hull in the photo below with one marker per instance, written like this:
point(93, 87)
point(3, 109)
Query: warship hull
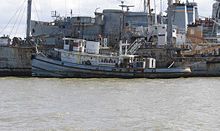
point(201, 66)
point(206, 69)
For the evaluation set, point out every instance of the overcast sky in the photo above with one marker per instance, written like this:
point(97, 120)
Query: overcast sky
point(41, 10)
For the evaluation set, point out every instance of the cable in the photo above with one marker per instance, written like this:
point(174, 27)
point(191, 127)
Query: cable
point(12, 18)
point(41, 28)
point(140, 5)
point(19, 13)
point(22, 16)
point(65, 8)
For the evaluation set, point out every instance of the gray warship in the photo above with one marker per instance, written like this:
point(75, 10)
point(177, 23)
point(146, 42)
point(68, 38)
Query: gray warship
point(179, 39)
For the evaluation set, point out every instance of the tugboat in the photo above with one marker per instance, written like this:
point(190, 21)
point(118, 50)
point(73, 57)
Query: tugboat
point(82, 59)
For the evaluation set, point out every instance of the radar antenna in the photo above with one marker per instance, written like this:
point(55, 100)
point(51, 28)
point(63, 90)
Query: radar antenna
point(125, 6)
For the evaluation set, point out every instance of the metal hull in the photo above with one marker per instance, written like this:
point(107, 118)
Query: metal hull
point(206, 69)
point(202, 67)
point(15, 72)
point(46, 67)
point(15, 61)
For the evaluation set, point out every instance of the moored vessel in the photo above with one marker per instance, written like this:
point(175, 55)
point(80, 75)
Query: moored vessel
point(81, 59)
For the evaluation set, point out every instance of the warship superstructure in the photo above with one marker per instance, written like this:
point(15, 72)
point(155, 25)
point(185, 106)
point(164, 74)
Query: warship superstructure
point(111, 25)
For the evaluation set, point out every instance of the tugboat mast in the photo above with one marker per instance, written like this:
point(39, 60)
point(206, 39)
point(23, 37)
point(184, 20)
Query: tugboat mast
point(28, 19)
point(149, 12)
point(170, 23)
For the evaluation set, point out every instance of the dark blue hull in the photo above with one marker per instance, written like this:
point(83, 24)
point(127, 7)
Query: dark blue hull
point(46, 67)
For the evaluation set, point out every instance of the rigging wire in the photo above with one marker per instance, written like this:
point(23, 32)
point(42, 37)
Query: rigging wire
point(79, 5)
point(40, 24)
point(67, 7)
point(16, 20)
point(140, 5)
point(37, 5)
point(38, 18)
point(12, 17)
point(22, 16)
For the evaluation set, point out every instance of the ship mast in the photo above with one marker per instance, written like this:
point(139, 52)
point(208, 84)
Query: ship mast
point(155, 11)
point(28, 19)
point(145, 6)
point(149, 12)
point(170, 23)
point(161, 11)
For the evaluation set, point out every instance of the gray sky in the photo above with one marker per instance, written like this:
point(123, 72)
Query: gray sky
point(41, 10)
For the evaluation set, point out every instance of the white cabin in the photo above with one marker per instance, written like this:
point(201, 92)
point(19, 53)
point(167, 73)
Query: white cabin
point(78, 51)
point(5, 41)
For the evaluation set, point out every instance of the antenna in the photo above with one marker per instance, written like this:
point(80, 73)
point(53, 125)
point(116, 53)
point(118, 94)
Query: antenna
point(155, 8)
point(54, 14)
point(145, 6)
point(122, 5)
point(149, 12)
point(125, 6)
point(161, 11)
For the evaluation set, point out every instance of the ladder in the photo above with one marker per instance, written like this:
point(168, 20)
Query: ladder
point(136, 45)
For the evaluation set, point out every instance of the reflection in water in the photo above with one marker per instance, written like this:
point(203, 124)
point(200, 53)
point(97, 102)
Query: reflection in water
point(109, 104)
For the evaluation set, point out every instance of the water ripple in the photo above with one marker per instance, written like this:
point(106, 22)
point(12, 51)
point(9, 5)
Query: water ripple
point(109, 104)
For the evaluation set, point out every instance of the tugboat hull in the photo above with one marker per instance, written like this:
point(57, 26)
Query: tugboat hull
point(46, 67)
